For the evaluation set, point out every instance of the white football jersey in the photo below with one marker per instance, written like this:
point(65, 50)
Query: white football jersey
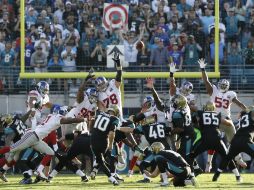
point(38, 113)
point(51, 123)
point(222, 101)
point(112, 95)
point(84, 109)
point(159, 115)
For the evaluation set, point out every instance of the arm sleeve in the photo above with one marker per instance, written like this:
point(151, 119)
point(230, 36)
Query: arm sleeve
point(157, 100)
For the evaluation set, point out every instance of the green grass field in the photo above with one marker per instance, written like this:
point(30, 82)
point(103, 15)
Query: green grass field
point(72, 182)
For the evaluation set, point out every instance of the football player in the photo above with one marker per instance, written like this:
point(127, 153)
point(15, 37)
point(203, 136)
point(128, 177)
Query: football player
point(222, 98)
point(149, 114)
point(102, 138)
point(208, 122)
point(33, 138)
point(170, 163)
point(242, 141)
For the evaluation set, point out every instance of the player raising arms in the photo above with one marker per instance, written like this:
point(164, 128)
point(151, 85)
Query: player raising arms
point(222, 98)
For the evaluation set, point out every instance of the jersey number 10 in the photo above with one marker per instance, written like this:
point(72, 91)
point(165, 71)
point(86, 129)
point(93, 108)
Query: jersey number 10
point(101, 123)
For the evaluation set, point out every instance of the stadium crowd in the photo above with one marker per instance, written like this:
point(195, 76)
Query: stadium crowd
point(68, 35)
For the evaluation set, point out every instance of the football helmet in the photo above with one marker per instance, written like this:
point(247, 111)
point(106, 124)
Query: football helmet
point(178, 101)
point(223, 85)
point(6, 119)
point(92, 95)
point(43, 88)
point(62, 110)
point(101, 84)
point(157, 147)
point(209, 106)
point(148, 102)
point(186, 88)
point(114, 108)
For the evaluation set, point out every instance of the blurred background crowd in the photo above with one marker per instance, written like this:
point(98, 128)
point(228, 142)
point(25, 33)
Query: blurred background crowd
point(68, 36)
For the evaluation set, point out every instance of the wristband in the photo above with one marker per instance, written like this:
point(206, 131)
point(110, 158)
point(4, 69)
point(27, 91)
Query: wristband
point(171, 74)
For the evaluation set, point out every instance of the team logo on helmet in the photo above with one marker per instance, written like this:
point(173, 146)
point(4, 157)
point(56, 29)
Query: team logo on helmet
point(179, 101)
point(43, 88)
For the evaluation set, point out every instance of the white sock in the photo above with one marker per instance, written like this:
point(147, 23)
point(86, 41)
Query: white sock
point(111, 178)
point(5, 167)
point(236, 172)
point(40, 168)
point(80, 173)
point(238, 157)
point(196, 166)
point(53, 173)
point(145, 176)
point(164, 177)
point(209, 158)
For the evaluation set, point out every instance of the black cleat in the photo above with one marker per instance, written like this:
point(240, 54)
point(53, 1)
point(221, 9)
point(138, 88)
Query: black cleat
point(37, 179)
point(2, 175)
point(26, 181)
point(118, 178)
point(239, 179)
point(49, 179)
point(145, 180)
point(216, 176)
point(84, 179)
point(198, 171)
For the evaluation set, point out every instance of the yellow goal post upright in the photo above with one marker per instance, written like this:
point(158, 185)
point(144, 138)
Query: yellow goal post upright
point(24, 74)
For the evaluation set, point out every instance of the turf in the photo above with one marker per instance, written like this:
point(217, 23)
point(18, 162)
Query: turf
point(72, 182)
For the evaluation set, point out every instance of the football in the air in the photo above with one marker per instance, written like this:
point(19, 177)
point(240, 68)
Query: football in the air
point(140, 45)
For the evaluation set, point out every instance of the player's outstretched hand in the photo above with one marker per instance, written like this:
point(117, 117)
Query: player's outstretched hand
point(90, 75)
point(149, 83)
point(202, 63)
point(116, 59)
point(172, 67)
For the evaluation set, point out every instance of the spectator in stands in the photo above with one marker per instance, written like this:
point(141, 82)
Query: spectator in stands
point(234, 58)
point(59, 11)
point(191, 54)
point(44, 43)
point(183, 8)
point(39, 60)
point(69, 58)
point(8, 63)
point(176, 56)
point(29, 50)
point(56, 48)
point(159, 57)
point(144, 54)
point(71, 33)
point(174, 11)
point(84, 57)
point(70, 14)
point(130, 51)
point(55, 64)
point(98, 56)
point(249, 52)
point(232, 29)
point(207, 19)
point(160, 33)
point(6, 24)
point(31, 17)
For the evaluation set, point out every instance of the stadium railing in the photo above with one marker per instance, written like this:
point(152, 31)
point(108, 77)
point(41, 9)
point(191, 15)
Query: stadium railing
point(241, 79)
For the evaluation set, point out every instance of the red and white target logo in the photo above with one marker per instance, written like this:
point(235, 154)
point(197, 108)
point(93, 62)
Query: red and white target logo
point(116, 14)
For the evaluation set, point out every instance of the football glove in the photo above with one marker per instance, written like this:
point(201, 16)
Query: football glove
point(202, 63)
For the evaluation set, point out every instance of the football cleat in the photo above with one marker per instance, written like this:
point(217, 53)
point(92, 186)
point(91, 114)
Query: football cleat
point(145, 180)
point(130, 173)
point(198, 171)
point(113, 181)
point(118, 178)
point(37, 179)
point(239, 179)
point(164, 184)
point(49, 179)
point(26, 181)
point(93, 175)
point(208, 167)
point(216, 176)
point(84, 179)
point(2, 175)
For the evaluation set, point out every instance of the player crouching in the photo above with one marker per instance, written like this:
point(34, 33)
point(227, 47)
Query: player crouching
point(170, 164)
